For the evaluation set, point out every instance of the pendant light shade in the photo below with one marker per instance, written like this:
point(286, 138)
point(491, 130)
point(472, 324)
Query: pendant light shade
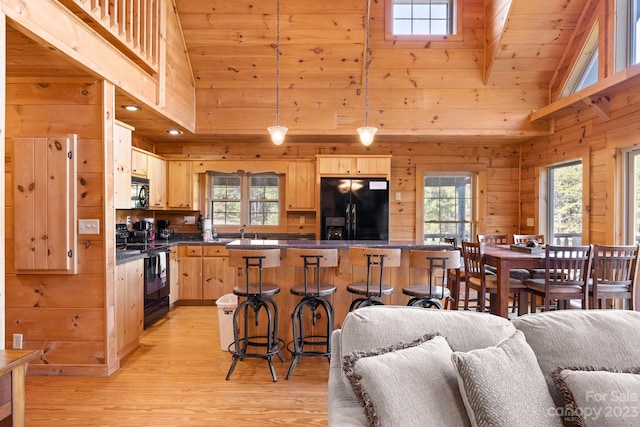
point(277, 132)
point(366, 132)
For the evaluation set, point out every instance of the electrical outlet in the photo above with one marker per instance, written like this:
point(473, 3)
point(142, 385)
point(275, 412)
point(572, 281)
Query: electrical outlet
point(302, 219)
point(398, 196)
point(189, 220)
point(17, 341)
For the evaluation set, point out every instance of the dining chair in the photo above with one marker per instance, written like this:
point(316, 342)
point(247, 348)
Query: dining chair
point(613, 274)
point(567, 270)
point(493, 239)
point(435, 266)
point(533, 273)
point(484, 284)
point(455, 277)
point(376, 285)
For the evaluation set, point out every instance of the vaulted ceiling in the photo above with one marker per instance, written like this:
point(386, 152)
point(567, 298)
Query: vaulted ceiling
point(509, 45)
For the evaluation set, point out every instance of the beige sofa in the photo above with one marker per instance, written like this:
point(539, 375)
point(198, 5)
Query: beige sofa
point(387, 368)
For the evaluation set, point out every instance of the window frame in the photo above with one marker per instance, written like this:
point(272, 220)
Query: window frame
point(627, 39)
point(479, 193)
point(245, 202)
point(456, 26)
point(543, 177)
point(584, 61)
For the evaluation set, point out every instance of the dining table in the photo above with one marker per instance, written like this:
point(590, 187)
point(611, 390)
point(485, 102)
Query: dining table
point(504, 258)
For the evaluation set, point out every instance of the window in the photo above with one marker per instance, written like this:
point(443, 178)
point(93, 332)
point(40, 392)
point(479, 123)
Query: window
point(421, 17)
point(447, 207)
point(245, 199)
point(564, 196)
point(585, 72)
point(627, 39)
point(632, 205)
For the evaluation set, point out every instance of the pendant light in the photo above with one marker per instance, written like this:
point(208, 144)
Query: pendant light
point(277, 132)
point(366, 132)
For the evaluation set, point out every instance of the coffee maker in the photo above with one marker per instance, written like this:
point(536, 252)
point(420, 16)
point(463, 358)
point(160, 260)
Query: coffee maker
point(164, 232)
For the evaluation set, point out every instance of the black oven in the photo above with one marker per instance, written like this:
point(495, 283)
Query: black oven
point(156, 286)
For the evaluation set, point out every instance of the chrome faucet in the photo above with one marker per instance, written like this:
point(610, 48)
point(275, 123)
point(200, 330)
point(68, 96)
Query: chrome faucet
point(242, 233)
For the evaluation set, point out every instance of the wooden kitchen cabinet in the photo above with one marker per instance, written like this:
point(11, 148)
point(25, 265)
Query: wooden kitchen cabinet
point(44, 204)
point(217, 277)
point(301, 186)
point(122, 165)
point(182, 185)
point(348, 166)
point(139, 162)
point(129, 305)
point(157, 175)
point(190, 278)
point(204, 272)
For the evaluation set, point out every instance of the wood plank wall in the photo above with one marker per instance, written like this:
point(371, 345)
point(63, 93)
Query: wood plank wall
point(499, 159)
point(61, 314)
point(602, 142)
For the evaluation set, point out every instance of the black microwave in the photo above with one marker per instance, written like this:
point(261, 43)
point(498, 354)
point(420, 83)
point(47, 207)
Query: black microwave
point(139, 193)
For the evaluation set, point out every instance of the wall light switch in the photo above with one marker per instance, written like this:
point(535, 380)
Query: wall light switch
point(88, 226)
point(398, 196)
point(530, 222)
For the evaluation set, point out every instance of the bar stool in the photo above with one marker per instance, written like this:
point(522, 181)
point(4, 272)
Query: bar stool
point(437, 264)
point(314, 296)
point(246, 342)
point(375, 259)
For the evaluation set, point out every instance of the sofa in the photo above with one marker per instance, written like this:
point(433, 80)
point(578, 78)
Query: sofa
point(411, 366)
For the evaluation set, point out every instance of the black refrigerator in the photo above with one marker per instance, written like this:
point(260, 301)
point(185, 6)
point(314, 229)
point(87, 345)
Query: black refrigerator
point(354, 209)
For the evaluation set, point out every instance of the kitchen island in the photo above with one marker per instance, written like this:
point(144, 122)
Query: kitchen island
point(204, 274)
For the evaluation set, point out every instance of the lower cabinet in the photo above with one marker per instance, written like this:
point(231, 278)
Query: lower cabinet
point(129, 306)
point(204, 272)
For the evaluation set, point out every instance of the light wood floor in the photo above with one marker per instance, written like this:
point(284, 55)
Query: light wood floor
point(177, 378)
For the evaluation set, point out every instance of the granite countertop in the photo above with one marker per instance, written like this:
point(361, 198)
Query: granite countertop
point(123, 256)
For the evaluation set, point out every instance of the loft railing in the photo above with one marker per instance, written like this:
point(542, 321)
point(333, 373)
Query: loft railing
point(135, 24)
point(560, 239)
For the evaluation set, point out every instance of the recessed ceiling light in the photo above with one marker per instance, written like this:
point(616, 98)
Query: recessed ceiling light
point(131, 107)
point(174, 132)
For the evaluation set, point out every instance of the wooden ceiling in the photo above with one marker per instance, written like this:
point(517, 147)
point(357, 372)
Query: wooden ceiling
point(510, 47)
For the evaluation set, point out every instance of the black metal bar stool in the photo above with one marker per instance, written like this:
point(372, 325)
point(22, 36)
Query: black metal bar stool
point(433, 289)
point(314, 296)
point(248, 342)
point(375, 259)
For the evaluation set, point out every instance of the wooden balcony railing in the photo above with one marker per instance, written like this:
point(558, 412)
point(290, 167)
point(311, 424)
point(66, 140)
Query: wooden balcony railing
point(135, 24)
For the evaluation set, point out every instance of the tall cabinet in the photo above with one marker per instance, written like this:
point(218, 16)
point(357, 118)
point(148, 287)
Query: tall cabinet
point(122, 165)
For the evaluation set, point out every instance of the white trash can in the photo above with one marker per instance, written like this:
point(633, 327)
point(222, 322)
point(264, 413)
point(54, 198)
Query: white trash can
point(226, 306)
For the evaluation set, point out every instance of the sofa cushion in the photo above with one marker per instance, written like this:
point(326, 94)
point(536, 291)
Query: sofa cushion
point(598, 397)
point(582, 338)
point(374, 327)
point(407, 384)
point(503, 385)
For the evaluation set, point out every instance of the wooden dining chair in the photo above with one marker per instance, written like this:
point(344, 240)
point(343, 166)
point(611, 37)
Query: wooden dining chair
point(613, 275)
point(484, 284)
point(493, 239)
point(567, 271)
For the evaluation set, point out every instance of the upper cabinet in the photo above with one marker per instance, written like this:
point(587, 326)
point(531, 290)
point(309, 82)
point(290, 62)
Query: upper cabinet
point(157, 175)
point(139, 163)
point(301, 186)
point(350, 166)
point(182, 185)
point(44, 204)
point(122, 165)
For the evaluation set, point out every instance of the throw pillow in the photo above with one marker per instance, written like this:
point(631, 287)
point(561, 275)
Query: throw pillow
point(599, 397)
point(407, 384)
point(504, 386)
